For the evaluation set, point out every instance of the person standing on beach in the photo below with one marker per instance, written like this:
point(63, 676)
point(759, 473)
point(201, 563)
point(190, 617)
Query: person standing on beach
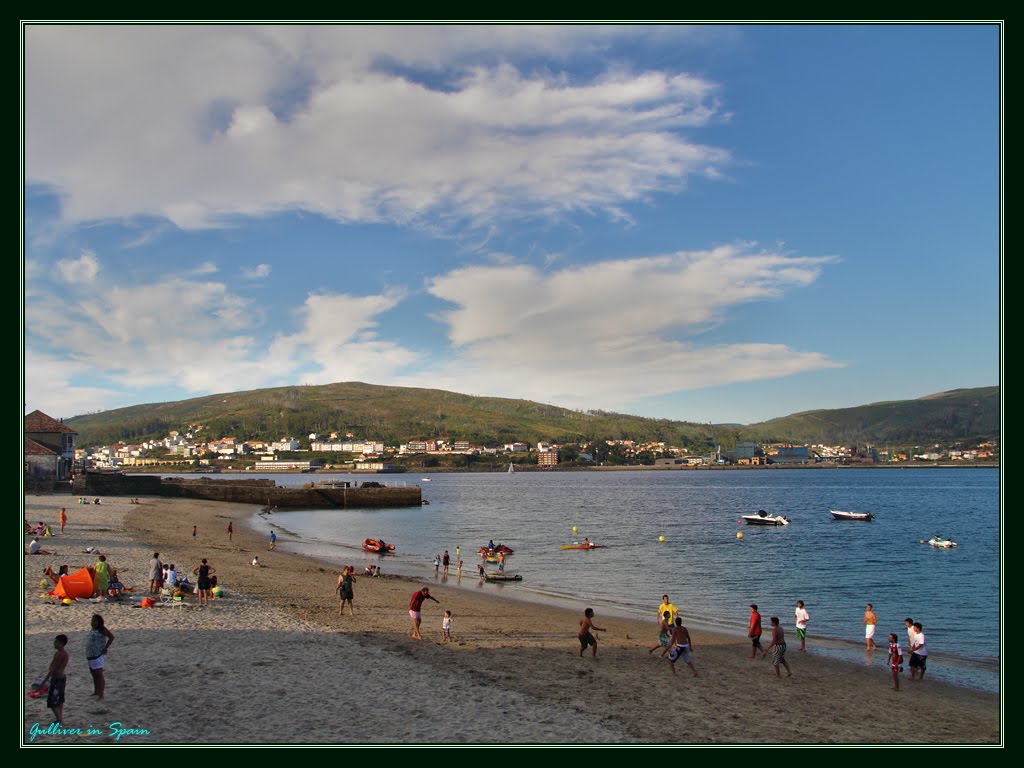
point(869, 622)
point(437, 563)
point(102, 576)
point(802, 617)
point(681, 646)
point(203, 573)
point(96, 646)
point(587, 639)
point(918, 653)
point(194, 531)
point(344, 590)
point(446, 627)
point(446, 561)
point(778, 648)
point(156, 574)
point(62, 518)
point(56, 677)
point(895, 660)
point(664, 633)
point(754, 632)
point(231, 530)
point(667, 606)
point(415, 608)
point(273, 541)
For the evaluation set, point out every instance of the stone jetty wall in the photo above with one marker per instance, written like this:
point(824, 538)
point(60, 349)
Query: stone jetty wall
point(246, 491)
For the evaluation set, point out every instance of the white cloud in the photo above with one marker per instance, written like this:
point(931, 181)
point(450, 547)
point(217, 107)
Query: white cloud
point(338, 340)
point(206, 268)
point(606, 332)
point(184, 337)
point(257, 273)
point(51, 386)
point(202, 123)
point(81, 270)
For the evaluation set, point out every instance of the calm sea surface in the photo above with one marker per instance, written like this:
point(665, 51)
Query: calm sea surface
point(835, 567)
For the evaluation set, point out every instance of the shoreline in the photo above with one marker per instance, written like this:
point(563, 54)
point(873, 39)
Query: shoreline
point(171, 470)
point(272, 663)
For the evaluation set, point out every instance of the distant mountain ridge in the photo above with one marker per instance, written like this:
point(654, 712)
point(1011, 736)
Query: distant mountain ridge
point(399, 414)
point(959, 414)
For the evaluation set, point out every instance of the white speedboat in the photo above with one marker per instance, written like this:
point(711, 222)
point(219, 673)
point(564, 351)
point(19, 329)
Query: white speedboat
point(840, 515)
point(763, 518)
point(938, 541)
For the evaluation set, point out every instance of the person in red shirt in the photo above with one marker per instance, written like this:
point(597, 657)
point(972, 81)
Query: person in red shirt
point(415, 604)
point(754, 633)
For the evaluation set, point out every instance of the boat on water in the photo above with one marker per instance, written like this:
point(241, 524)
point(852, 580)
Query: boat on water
point(495, 550)
point(503, 577)
point(941, 543)
point(840, 515)
point(585, 545)
point(378, 546)
point(511, 468)
point(763, 518)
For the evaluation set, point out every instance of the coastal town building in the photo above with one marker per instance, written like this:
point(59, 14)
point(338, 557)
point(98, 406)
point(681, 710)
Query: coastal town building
point(49, 447)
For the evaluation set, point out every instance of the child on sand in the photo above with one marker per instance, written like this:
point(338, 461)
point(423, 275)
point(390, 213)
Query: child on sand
point(587, 639)
point(446, 627)
point(55, 677)
point(895, 660)
point(778, 648)
point(664, 632)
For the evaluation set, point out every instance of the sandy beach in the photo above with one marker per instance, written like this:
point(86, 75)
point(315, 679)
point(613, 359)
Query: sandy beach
point(271, 662)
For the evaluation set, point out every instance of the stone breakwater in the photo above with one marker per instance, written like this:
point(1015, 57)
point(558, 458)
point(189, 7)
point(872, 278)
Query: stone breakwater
point(248, 491)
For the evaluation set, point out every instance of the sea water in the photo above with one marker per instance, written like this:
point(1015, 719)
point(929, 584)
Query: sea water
point(835, 567)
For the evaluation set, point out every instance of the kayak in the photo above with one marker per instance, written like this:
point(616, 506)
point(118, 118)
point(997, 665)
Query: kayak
point(584, 546)
point(378, 546)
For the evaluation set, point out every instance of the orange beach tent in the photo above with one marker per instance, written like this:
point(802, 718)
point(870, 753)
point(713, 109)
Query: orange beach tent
point(77, 584)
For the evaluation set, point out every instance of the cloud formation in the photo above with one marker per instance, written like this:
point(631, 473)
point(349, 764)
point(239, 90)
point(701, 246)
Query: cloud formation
point(619, 330)
point(607, 333)
point(214, 122)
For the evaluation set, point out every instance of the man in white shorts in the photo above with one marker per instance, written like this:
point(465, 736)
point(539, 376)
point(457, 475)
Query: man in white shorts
point(870, 620)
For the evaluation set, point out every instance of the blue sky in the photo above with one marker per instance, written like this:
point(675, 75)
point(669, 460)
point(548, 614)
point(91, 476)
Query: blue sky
point(721, 223)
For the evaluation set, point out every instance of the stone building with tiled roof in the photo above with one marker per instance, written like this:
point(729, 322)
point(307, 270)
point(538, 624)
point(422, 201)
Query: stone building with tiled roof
point(49, 447)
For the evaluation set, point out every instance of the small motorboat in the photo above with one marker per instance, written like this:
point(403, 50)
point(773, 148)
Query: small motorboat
point(587, 545)
point(840, 515)
point(763, 518)
point(938, 541)
point(378, 546)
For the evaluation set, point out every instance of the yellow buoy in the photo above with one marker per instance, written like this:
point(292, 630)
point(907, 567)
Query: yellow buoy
point(739, 534)
point(575, 529)
point(661, 538)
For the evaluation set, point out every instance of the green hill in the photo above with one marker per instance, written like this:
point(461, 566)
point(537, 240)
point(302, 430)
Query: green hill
point(392, 414)
point(399, 414)
point(957, 415)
